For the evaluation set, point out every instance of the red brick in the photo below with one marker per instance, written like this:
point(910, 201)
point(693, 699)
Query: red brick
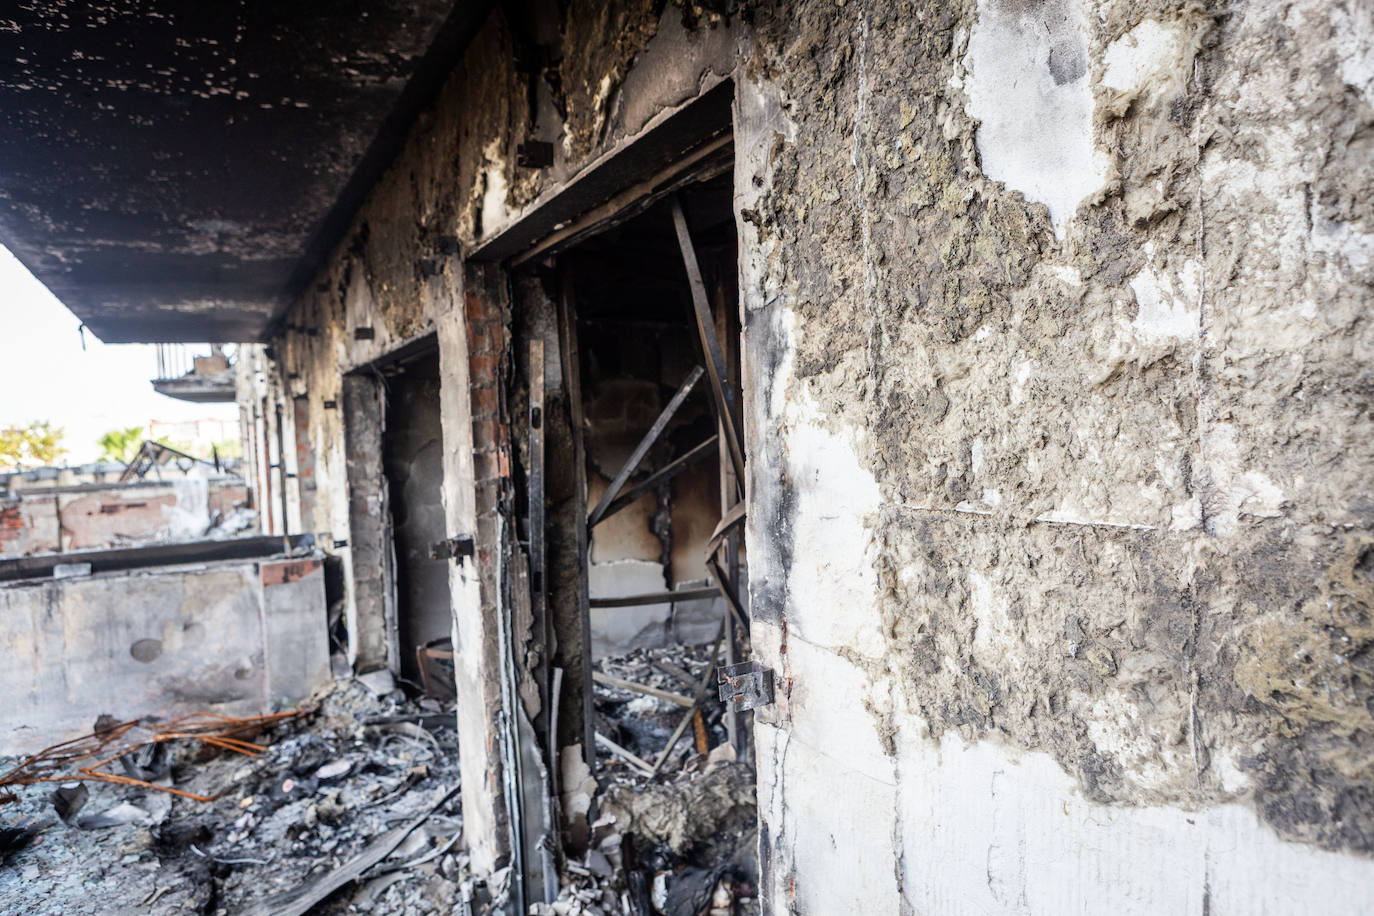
point(488, 494)
point(478, 306)
point(484, 336)
point(484, 403)
point(484, 433)
point(486, 464)
point(482, 367)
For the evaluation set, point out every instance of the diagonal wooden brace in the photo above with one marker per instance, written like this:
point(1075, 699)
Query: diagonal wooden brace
point(643, 447)
point(725, 407)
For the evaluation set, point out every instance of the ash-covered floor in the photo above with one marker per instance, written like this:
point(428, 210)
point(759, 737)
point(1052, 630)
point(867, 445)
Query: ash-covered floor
point(353, 807)
point(326, 786)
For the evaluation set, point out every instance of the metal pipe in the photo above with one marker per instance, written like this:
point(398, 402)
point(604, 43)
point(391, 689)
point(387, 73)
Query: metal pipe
point(281, 470)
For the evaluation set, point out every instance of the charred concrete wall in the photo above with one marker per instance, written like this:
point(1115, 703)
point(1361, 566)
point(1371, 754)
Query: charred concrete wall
point(413, 453)
point(1060, 518)
point(608, 70)
point(96, 516)
point(233, 637)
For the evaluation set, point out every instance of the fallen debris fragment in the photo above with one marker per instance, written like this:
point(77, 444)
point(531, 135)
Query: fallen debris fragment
point(75, 760)
point(287, 818)
point(671, 697)
point(298, 902)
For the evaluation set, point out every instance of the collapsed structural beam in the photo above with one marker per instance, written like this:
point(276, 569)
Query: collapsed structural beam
point(728, 593)
point(686, 594)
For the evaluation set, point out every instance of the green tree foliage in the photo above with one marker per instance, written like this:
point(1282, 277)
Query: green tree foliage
point(36, 445)
point(120, 444)
point(229, 448)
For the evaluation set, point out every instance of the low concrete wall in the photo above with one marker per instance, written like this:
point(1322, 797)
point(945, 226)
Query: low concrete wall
point(238, 638)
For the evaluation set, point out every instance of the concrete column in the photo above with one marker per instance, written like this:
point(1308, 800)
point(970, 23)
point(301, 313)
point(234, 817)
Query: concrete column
point(474, 626)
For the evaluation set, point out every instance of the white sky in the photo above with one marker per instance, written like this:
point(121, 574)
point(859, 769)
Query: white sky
point(44, 375)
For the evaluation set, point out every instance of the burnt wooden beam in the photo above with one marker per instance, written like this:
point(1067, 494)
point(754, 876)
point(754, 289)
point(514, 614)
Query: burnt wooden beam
point(685, 594)
point(733, 517)
point(682, 724)
point(572, 376)
point(663, 474)
point(643, 447)
point(538, 586)
point(728, 593)
point(701, 309)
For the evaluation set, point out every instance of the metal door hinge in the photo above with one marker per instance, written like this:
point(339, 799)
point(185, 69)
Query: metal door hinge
point(453, 548)
point(747, 685)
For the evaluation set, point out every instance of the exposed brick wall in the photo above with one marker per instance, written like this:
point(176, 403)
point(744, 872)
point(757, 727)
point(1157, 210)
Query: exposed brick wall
point(11, 523)
point(488, 339)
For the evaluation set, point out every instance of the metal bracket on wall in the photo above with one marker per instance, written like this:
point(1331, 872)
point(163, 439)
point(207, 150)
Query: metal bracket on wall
point(747, 685)
point(453, 548)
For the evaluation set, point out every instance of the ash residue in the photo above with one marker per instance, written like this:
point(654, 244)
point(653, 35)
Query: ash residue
point(324, 786)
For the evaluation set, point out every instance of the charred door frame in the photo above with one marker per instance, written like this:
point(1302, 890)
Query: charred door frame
point(372, 539)
point(374, 636)
point(692, 144)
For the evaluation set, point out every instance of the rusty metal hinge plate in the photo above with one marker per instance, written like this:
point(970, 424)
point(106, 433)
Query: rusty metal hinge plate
point(747, 685)
point(453, 548)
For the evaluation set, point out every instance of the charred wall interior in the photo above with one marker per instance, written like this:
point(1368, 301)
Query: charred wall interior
point(637, 344)
point(399, 275)
point(1053, 321)
point(412, 453)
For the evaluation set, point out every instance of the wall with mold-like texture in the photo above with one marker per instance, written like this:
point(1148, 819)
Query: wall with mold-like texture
point(1060, 518)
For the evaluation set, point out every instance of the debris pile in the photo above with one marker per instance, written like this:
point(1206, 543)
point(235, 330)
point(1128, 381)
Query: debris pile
point(673, 828)
point(351, 807)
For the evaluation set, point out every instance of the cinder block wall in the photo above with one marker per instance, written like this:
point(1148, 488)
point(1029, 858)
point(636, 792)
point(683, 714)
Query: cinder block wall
point(238, 637)
point(1057, 337)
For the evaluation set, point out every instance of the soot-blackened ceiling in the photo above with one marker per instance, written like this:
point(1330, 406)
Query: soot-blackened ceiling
point(176, 169)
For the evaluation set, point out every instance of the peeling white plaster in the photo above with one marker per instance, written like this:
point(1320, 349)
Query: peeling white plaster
point(1150, 55)
point(1027, 83)
point(1024, 370)
point(1352, 34)
point(981, 829)
point(1167, 307)
point(1232, 490)
point(834, 494)
point(1021, 839)
point(827, 800)
point(494, 187)
point(1067, 516)
point(1186, 516)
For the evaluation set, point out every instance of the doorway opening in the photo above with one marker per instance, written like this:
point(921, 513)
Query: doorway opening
point(402, 617)
point(626, 344)
point(412, 460)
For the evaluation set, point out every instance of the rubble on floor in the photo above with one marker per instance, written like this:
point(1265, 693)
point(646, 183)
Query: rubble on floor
point(681, 842)
point(351, 808)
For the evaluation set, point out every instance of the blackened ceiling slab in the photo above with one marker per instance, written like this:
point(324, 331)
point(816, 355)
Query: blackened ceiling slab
point(176, 169)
